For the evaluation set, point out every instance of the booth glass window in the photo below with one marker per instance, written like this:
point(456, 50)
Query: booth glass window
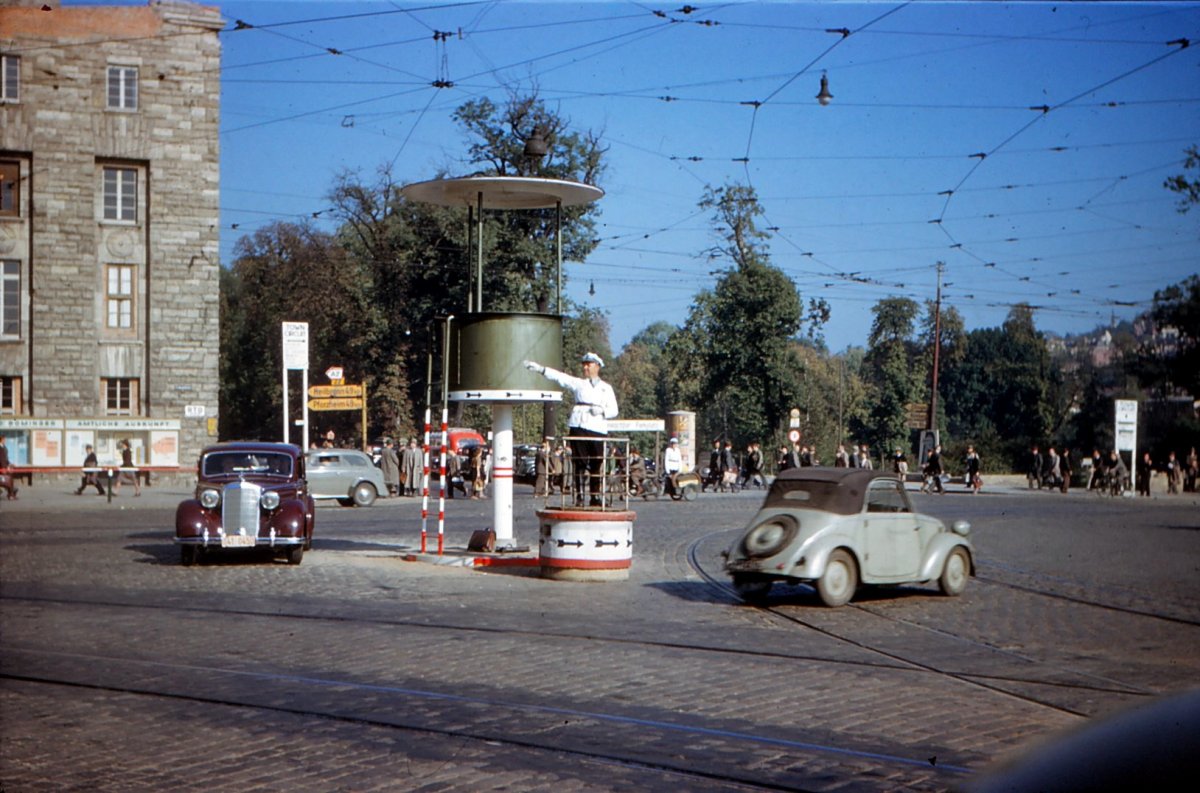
point(120, 396)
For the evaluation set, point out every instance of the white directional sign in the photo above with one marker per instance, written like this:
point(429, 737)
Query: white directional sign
point(1126, 429)
point(295, 345)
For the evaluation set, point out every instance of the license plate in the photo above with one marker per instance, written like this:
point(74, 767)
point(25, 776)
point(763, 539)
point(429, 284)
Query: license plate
point(744, 566)
point(237, 541)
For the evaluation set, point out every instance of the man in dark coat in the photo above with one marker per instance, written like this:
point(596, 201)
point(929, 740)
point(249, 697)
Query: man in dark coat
point(90, 477)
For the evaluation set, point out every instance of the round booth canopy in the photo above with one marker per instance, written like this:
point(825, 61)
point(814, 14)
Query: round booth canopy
point(502, 192)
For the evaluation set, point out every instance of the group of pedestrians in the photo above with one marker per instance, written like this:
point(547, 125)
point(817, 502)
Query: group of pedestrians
point(1051, 470)
point(402, 471)
point(552, 469)
point(1181, 475)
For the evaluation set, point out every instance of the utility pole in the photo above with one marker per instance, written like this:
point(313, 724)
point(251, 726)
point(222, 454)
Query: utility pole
point(937, 345)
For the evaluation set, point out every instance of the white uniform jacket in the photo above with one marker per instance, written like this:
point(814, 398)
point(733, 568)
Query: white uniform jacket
point(595, 400)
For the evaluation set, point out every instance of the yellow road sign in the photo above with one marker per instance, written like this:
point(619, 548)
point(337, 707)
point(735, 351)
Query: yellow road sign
point(336, 403)
point(324, 391)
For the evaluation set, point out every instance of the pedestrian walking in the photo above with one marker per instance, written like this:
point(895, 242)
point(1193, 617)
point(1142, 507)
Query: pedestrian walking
point(1064, 464)
point(389, 462)
point(933, 471)
point(412, 468)
point(1174, 474)
point(972, 465)
point(1143, 474)
point(126, 450)
point(900, 465)
point(90, 478)
point(863, 459)
point(1033, 473)
point(541, 469)
point(7, 482)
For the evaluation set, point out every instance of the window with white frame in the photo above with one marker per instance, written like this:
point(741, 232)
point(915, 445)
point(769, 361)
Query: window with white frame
point(120, 193)
point(10, 78)
point(10, 188)
point(119, 296)
point(10, 299)
point(10, 395)
point(120, 396)
point(122, 87)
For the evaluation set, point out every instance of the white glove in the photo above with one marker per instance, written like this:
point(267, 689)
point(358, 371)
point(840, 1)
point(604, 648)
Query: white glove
point(533, 366)
point(596, 410)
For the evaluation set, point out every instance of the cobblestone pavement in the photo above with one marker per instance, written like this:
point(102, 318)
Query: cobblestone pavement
point(121, 670)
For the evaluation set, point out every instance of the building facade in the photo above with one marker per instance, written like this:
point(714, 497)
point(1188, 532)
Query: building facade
point(109, 170)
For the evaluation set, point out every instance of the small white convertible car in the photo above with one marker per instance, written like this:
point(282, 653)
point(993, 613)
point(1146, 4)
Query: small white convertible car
point(836, 528)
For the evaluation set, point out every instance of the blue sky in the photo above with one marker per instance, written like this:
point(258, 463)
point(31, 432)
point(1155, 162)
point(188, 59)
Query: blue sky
point(1023, 144)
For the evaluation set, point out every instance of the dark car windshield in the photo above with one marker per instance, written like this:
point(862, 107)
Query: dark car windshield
point(240, 462)
point(841, 498)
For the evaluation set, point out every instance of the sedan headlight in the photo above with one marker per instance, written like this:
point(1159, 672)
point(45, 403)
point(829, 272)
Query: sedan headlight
point(770, 536)
point(270, 500)
point(210, 498)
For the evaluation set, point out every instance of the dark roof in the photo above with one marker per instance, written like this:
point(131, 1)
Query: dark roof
point(254, 446)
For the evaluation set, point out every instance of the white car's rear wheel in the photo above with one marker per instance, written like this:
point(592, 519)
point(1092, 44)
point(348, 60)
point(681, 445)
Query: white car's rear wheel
point(839, 581)
point(955, 573)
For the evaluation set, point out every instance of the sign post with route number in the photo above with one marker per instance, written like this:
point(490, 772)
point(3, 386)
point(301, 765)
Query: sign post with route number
point(340, 396)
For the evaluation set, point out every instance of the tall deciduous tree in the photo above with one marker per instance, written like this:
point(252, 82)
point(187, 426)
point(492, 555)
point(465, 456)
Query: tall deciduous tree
point(892, 372)
point(734, 359)
point(269, 284)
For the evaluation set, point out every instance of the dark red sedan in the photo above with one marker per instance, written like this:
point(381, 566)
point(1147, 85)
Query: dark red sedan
point(248, 496)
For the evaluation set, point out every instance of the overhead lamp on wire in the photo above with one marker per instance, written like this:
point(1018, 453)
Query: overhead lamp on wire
point(536, 148)
point(823, 96)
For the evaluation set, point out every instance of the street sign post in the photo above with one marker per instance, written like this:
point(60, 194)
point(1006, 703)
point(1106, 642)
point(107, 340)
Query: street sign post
point(295, 356)
point(1125, 431)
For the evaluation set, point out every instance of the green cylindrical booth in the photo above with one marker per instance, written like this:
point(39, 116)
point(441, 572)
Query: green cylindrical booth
point(488, 351)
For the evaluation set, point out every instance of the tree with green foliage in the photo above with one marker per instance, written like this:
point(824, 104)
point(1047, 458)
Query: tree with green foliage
point(893, 374)
point(639, 373)
point(734, 359)
point(264, 288)
point(1187, 188)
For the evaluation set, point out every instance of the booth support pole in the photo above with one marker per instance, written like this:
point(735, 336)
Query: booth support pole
point(558, 252)
point(470, 258)
point(502, 474)
point(479, 254)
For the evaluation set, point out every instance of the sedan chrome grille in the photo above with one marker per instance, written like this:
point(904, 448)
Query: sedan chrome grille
point(239, 509)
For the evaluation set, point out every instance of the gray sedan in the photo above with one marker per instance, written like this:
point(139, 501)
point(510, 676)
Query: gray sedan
point(345, 474)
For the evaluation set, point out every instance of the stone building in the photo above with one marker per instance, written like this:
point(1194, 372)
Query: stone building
point(109, 168)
